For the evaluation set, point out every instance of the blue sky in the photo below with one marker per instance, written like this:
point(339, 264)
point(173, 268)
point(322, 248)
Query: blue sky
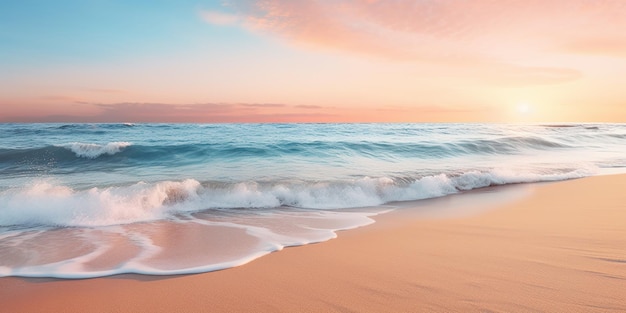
point(62, 31)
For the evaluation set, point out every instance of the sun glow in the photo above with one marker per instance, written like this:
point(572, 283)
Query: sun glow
point(523, 108)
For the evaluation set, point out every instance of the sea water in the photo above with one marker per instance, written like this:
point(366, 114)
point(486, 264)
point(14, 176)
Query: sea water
point(89, 200)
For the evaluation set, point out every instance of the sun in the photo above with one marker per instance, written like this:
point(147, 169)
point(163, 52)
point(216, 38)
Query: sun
point(523, 108)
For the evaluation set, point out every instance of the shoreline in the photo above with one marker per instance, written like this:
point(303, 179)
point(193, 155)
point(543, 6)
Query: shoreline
point(542, 247)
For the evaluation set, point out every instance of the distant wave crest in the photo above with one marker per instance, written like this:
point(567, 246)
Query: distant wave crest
point(92, 150)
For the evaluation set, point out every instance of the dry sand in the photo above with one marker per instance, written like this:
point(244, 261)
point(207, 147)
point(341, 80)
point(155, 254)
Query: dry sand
point(561, 248)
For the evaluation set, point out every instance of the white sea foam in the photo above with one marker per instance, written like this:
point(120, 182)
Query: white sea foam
point(92, 150)
point(46, 203)
point(256, 237)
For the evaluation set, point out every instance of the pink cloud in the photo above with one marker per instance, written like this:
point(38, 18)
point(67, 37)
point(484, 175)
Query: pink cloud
point(105, 90)
point(480, 33)
point(395, 25)
point(174, 113)
point(162, 112)
point(615, 47)
point(245, 113)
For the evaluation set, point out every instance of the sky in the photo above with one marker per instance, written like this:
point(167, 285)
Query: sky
point(505, 61)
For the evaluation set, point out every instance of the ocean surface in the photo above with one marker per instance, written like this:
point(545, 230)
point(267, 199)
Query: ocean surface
point(90, 200)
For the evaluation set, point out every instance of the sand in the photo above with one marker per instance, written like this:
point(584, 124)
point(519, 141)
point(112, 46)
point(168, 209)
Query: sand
point(560, 247)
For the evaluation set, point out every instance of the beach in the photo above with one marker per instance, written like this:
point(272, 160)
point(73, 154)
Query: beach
point(556, 247)
point(312, 156)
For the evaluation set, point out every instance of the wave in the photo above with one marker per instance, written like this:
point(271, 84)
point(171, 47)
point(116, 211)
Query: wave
point(504, 145)
point(92, 150)
point(584, 126)
point(95, 126)
point(44, 203)
point(62, 153)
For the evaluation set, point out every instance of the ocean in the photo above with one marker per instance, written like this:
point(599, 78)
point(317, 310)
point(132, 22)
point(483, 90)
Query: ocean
point(92, 200)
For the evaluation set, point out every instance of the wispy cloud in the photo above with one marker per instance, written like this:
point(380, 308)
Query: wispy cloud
point(249, 113)
point(105, 90)
point(181, 113)
point(219, 18)
point(161, 112)
point(405, 27)
point(481, 34)
point(615, 47)
point(262, 105)
point(309, 107)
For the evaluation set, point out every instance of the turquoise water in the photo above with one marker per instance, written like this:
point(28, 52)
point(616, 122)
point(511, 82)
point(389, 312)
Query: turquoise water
point(101, 188)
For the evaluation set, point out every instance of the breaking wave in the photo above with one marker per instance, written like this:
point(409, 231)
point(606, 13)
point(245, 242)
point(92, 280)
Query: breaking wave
point(49, 204)
point(92, 150)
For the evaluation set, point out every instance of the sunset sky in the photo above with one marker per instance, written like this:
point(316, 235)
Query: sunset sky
point(313, 61)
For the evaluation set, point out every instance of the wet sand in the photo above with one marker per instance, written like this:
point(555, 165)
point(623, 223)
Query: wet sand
point(556, 247)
